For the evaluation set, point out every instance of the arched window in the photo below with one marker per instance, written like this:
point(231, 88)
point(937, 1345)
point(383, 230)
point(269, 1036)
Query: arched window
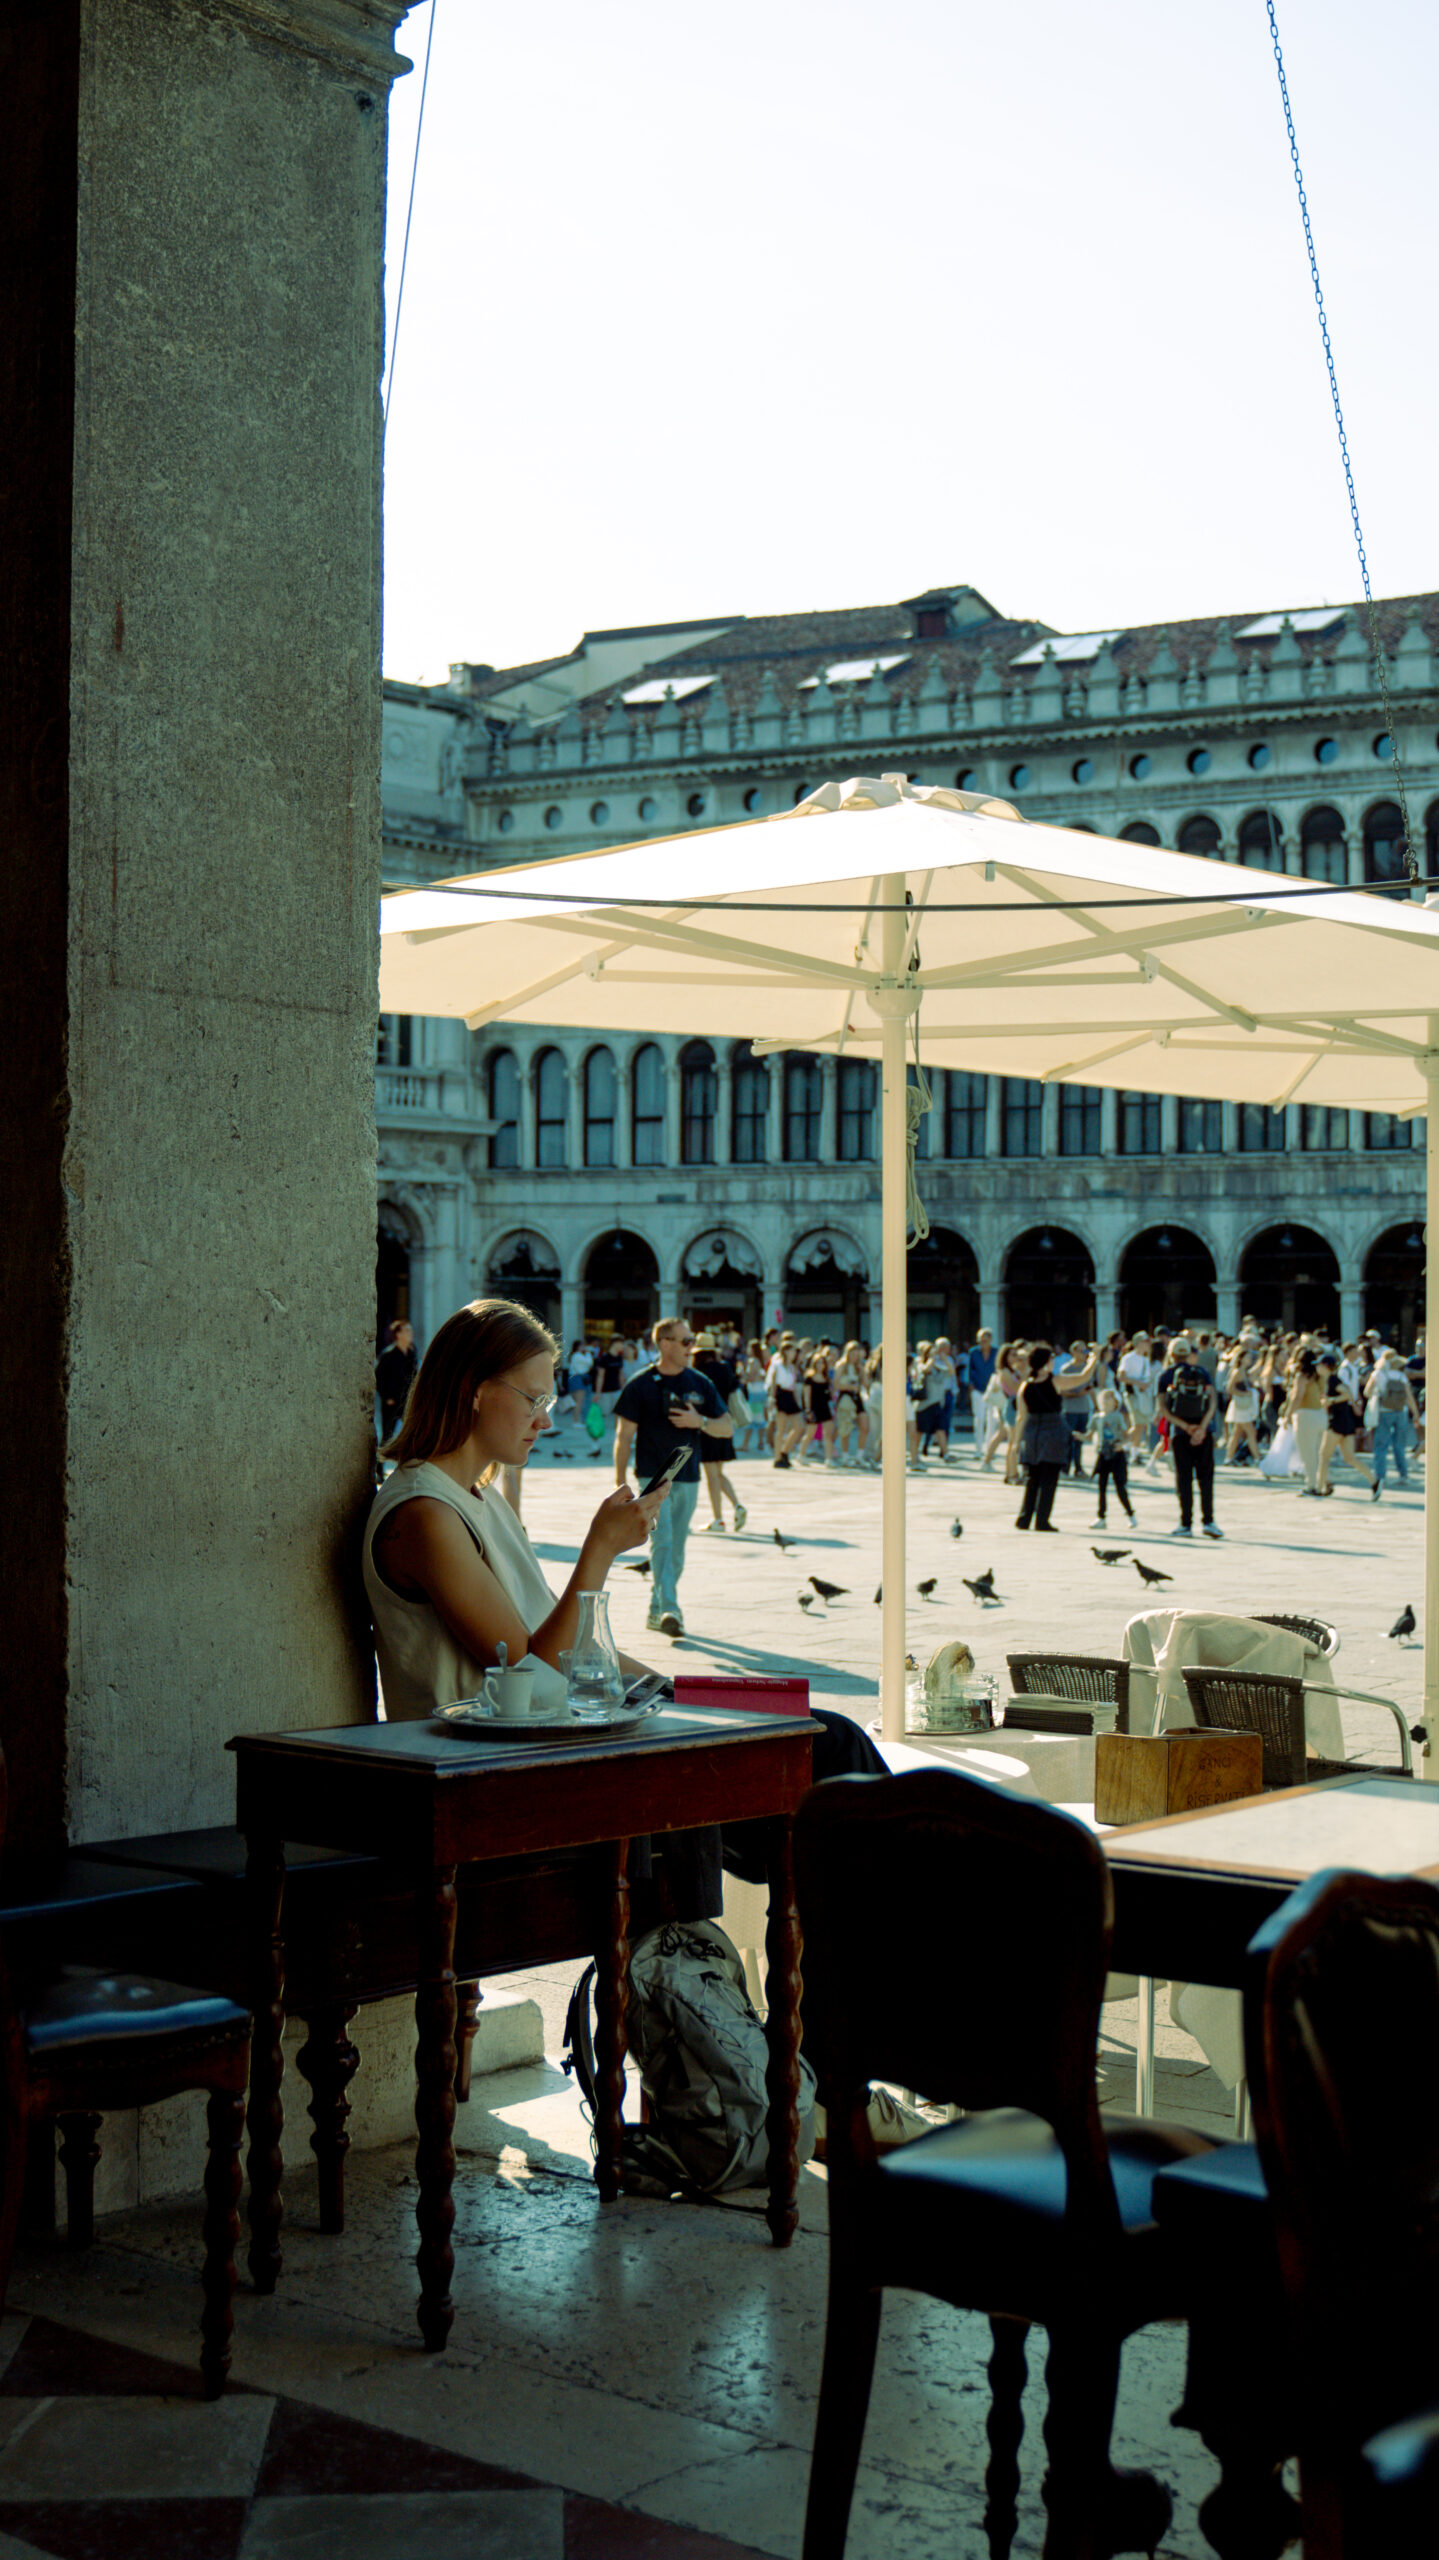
point(1261, 1131)
point(1384, 843)
point(647, 1089)
point(749, 1107)
point(1322, 853)
point(502, 1093)
point(1201, 1128)
point(801, 1110)
point(601, 1102)
point(552, 1108)
point(395, 1040)
point(966, 1104)
point(697, 1103)
point(1382, 1131)
point(1322, 1128)
point(1260, 842)
point(1201, 836)
point(856, 1110)
point(1140, 1127)
point(1139, 831)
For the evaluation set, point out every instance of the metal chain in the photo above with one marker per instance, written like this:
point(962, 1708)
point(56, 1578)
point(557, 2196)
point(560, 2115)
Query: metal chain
point(1376, 646)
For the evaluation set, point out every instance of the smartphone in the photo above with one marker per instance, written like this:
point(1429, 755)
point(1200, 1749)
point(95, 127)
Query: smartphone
point(650, 1689)
point(667, 1474)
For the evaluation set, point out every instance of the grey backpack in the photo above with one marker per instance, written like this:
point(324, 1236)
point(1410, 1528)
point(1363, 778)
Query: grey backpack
point(702, 2057)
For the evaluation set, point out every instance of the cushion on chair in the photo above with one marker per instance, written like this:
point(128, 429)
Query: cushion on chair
point(1219, 2201)
point(81, 2006)
point(991, 2190)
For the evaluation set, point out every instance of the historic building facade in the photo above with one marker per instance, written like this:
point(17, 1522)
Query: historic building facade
point(607, 1182)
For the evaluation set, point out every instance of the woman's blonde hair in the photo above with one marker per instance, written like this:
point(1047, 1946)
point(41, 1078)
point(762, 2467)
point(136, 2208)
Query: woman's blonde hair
point(477, 1342)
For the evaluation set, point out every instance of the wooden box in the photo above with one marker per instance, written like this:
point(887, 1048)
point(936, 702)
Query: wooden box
point(1139, 1777)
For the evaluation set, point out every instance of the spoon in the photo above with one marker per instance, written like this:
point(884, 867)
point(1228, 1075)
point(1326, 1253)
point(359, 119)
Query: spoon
point(502, 1655)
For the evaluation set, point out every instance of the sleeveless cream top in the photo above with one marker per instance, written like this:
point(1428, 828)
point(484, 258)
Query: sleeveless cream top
point(421, 1665)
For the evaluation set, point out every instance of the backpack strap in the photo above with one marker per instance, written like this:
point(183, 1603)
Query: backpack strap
point(579, 2049)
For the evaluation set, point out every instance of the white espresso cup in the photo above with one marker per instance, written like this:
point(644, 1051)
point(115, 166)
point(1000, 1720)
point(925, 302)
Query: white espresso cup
point(508, 1692)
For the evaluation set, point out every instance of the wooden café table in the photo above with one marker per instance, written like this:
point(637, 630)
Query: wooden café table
point(1189, 1893)
point(436, 1802)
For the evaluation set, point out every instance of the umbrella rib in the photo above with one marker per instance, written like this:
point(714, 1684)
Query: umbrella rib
point(1117, 946)
point(673, 934)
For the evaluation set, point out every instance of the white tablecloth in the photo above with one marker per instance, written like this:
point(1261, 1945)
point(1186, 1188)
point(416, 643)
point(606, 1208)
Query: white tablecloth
point(1162, 1643)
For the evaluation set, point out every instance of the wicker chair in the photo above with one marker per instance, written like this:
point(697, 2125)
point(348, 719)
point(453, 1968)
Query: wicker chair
point(1263, 1703)
point(1090, 1679)
point(1314, 1630)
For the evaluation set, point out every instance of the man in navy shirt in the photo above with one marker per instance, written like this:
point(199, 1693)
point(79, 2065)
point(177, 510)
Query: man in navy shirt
point(980, 1364)
point(666, 1408)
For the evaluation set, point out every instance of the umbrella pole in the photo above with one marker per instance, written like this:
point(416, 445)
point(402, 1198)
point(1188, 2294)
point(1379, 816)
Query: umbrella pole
point(1429, 1765)
point(895, 1009)
point(1430, 1762)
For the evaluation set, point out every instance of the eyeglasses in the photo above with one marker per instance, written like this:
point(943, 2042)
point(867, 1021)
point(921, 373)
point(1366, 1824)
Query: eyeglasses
point(538, 1405)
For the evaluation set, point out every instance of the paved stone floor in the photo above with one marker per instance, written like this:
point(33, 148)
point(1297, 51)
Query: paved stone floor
point(639, 2379)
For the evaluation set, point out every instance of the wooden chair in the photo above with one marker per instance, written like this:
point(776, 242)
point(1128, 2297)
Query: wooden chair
point(80, 2044)
point(1273, 1707)
point(1341, 2017)
point(1090, 1679)
point(1043, 2216)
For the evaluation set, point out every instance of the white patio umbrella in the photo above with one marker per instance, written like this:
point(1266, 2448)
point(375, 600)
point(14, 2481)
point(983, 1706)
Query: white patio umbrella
point(1008, 948)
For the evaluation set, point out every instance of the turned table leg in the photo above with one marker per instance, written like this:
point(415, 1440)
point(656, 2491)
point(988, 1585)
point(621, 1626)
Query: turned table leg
point(265, 1891)
point(329, 2061)
point(612, 1974)
point(782, 1953)
point(435, 2064)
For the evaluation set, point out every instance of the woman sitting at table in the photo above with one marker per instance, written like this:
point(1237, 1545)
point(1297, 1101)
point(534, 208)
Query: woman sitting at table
point(449, 1572)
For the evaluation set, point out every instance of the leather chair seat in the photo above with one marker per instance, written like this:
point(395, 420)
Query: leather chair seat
point(1004, 2177)
point(83, 2006)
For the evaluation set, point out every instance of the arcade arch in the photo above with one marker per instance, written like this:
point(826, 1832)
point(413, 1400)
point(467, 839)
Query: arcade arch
point(1289, 1276)
point(826, 1286)
point(1166, 1276)
point(722, 1282)
point(621, 1286)
point(1049, 1287)
point(525, 1266)
point(943, 1288)
point(1394, 1270)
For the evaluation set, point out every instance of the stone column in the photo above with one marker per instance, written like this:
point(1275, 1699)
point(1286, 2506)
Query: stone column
point(990, 1308)
point(1049, 1121)
point(572, 1313)
point(575, 1114)
point(774, 1128)
point(724, 1105)
point(673, 1130)
point(527, 1136)
point(193, 203)
point(993, 1122)
point(1106, 1308)
point(624, 1115)
point(1169, 1123)
point(1108, 1121)
point(1351, 1304)
point(1226, 1299)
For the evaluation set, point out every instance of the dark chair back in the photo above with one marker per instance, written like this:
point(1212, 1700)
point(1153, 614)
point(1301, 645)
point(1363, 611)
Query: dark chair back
point(1314, 1630)
point(1256, 1702)
point(956, 1941)
point(1342, 2047)
point(1091, 1679)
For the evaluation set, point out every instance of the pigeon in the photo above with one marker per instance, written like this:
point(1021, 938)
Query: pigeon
point(1110, 1555)
point(828, 1590)
point(983, 1588)
point(956, 1528)
point(642, 1567)
point(1150, 1572)
point(879, 1597)
point(805, 1599)
point(1419, 1733)
point(1404, 1624)
point(928, 1588)
point(782, 1543)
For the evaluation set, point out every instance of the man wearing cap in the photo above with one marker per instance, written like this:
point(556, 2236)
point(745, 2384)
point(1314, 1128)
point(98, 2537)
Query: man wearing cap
point(1187, 1395)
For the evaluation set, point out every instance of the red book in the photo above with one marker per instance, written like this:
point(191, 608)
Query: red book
point(750, 1697)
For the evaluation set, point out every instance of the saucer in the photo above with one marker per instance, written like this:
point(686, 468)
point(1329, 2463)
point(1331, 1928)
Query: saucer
point(468, 1716)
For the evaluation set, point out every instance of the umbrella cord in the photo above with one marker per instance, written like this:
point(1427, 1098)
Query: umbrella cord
point(389, 392)
point(1375, 643)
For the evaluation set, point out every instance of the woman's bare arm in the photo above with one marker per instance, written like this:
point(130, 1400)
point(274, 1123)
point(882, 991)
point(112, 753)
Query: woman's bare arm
point(425, 1550)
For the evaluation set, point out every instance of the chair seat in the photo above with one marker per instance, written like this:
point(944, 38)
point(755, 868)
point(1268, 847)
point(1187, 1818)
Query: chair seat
point(1219, 2203)
point(992, 2190)
point(82, 2006)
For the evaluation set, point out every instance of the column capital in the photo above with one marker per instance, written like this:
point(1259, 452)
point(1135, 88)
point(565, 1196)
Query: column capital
point(350, 36)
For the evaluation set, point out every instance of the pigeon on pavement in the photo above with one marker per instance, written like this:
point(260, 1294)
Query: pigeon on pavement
point(956, 1528)
point(1150, 1572)
point(782, 1543)
point(1110, 1555)
point(983, 1588)
point(805, 1599)
point(829, 1590)
point(879, 1596)
point(928, 1587)
point(1404, 1624)
point(643, 1566)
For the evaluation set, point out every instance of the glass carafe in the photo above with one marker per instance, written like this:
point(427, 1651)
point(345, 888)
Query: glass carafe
point(596, 1684)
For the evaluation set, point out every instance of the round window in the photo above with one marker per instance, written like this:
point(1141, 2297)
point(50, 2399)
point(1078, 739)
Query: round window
point(753, 800)
point(1083, 771)
point(554, 818)
point(1384, 748)
point(1259, 757)
point(1140, 768)
point(1327, 751)
point(1200, 760)
point(696, 804)
point(599, 813)
point(647, 810)
point(966, 779)
point(1019, 777)
point(505, 821)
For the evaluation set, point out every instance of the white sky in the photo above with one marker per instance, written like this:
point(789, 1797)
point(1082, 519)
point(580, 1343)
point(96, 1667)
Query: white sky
point(802, 303)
